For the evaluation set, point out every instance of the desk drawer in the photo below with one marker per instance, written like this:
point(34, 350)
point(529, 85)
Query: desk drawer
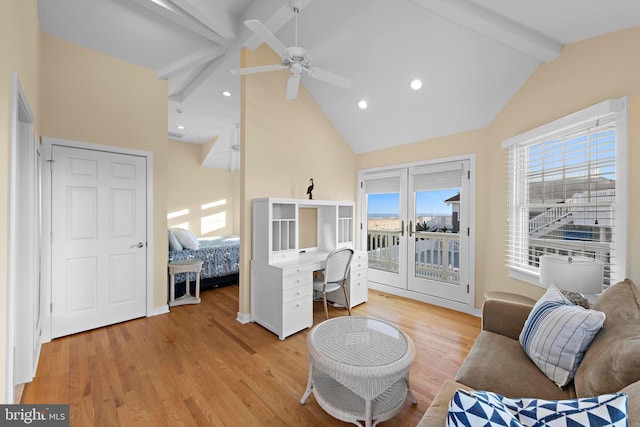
point(296, 279)
point(297, 314)
point(297, 292)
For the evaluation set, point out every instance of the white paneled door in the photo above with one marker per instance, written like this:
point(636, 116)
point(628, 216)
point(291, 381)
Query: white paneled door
point(98, 238)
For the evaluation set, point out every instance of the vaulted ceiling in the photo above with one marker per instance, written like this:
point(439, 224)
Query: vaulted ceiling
point(471, 55)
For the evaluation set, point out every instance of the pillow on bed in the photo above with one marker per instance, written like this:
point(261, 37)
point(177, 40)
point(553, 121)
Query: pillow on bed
point(187, 238)
point(174, 243)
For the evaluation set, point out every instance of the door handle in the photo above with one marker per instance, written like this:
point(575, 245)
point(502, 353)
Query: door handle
point(410, 228)
point(402, 228)
point(137, 245)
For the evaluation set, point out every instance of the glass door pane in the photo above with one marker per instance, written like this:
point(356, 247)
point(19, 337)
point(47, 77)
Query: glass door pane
point(438, 206)
point(385, 238)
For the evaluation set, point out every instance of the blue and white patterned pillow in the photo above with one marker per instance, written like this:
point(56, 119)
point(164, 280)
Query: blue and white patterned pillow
point(467, 409)
point(557, 333)
point(607, 410)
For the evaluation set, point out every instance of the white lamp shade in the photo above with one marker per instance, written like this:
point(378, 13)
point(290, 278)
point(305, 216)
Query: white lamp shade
point(573, 274)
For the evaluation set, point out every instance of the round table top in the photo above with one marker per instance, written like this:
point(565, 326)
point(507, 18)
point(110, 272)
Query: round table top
point(185, 262)
point(359, 341)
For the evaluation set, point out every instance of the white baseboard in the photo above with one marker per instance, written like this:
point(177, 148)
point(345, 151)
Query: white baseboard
point(243, 318)
point(155, 311)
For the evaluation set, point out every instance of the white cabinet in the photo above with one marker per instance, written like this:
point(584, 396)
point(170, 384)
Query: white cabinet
point(282, 272)
point(282, 298)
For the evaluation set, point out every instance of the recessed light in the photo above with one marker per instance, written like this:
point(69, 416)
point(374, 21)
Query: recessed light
point(180, 127)
point(362, 104)
point(226, 93)
point(416, 84)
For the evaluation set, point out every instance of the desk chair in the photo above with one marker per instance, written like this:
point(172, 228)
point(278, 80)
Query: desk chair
point(335, 276)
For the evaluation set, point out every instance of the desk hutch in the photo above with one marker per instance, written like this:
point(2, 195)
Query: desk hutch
point(282, 272)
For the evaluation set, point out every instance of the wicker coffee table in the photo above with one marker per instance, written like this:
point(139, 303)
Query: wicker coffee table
point(359, 369)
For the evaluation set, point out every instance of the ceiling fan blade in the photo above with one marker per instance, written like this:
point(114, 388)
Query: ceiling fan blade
point(267, 36)
point(292, 86)
point(331, 46)
point(258, 69)
point(329, 77)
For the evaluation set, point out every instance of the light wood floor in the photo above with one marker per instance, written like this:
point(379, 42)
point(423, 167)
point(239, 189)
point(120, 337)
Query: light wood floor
point(198, 366)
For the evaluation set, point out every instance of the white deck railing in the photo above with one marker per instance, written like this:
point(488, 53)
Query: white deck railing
point(437, 255)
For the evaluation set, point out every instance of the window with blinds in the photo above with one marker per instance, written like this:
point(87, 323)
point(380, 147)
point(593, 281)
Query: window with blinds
point(567, 191)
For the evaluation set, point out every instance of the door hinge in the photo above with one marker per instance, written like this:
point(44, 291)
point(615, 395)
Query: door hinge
point(50, 307)
point(360, 226)
point(469, 174)
point(467, 288)
point(51, 236)
point(468, 231)
point(51, 162)
point(361, 184)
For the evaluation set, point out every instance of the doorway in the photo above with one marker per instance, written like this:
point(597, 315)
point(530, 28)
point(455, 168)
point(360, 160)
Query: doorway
point(416, 225)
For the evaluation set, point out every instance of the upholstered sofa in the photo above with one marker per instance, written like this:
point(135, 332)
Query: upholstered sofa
point(498, 363)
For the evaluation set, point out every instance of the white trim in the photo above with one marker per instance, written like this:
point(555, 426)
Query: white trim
point(19, 103)
point(567, 123)
point(156, 311)
point(243, 318)
point(416, 296)
point(47, 144)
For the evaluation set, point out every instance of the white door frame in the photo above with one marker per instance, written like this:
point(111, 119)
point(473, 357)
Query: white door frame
point(466, 308)
point(21, 115)
point(47, 144)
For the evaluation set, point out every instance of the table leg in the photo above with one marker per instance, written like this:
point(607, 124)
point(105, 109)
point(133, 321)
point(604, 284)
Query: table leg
point(172, 287)
point(411, 395)
point(307, 392)
point(198, 285)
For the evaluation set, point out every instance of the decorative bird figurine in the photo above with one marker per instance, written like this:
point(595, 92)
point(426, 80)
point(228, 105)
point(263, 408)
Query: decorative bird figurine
point(310, 189)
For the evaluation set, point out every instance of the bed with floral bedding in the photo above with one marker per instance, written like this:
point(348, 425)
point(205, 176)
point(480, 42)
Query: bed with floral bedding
point(220, 256)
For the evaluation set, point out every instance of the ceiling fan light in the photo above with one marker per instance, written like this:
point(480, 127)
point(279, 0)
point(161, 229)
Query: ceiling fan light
point(226, 93)
point(362, 104)
point(416, 84)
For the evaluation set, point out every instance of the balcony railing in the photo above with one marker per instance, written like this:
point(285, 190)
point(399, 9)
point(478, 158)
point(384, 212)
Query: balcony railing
point(437, 255)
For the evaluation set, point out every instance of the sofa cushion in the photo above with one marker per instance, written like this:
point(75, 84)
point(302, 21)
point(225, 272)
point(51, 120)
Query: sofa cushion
point(499, 364)
point(557, 333)
point(605, 410)
point(613, 359)
point(471, 409)
point(436, 415)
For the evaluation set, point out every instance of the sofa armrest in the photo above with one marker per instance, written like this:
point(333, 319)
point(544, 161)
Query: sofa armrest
point(504, 317)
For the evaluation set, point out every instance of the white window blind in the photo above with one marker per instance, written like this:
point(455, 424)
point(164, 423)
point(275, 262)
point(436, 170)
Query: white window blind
point(567, 191)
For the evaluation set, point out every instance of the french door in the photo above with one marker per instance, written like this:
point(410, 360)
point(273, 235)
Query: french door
point(416, 230)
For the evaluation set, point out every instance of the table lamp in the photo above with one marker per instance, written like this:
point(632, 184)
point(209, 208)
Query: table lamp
point(575, 276)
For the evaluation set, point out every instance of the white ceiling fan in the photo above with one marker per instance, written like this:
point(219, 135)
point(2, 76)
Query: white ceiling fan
point(296, 58)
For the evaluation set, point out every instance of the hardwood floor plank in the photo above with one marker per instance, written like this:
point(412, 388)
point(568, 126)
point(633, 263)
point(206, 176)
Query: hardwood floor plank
point(198, 366)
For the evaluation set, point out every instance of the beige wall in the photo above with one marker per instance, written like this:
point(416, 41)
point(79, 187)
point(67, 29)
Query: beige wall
point(284, 144)
point(585, 73)
point(91, 97)
point(190, 186)
point(19, 51)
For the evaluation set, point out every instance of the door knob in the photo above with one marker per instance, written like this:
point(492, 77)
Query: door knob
point(137, 245)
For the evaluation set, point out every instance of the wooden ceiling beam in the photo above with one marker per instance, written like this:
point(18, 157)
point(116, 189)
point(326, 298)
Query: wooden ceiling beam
point(219, 23)
point(495, 27)
point(175, 15)
point(189, 62)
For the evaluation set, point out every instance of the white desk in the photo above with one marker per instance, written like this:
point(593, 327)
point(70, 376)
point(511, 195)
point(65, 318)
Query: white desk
point(282, 292)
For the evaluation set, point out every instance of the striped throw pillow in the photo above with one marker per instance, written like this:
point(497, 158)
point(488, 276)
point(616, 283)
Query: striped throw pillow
point(557, 334)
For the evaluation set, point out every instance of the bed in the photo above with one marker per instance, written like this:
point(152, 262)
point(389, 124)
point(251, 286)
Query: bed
point(220, 256)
